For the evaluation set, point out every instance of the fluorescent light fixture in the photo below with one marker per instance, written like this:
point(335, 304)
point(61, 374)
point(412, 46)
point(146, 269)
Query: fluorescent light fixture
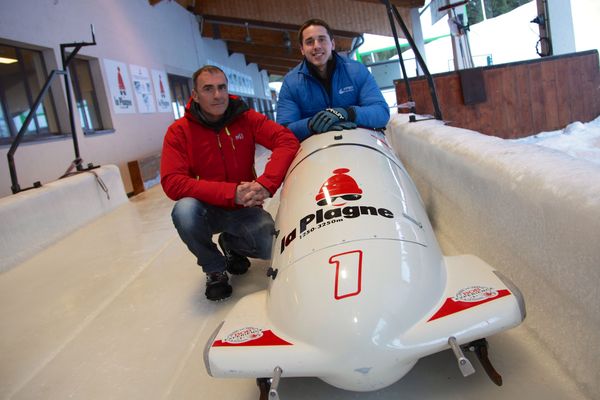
point(7, 60)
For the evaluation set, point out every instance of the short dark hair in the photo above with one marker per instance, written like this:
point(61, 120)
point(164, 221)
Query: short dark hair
point(213, 69)
point(311, 22)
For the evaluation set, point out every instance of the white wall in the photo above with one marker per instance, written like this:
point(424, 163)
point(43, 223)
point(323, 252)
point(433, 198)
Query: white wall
point(162, 37)
point(586, 14)
point(561, 27)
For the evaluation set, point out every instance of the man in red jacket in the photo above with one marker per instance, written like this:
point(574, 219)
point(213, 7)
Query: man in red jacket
point(207, 166)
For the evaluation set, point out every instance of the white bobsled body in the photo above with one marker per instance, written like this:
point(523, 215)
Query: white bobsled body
point(361, 290)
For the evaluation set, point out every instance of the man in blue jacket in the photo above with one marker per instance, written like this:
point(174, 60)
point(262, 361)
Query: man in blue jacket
point(327, 91)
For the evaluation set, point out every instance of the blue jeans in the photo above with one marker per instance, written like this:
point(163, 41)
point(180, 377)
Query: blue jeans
point(247, 231)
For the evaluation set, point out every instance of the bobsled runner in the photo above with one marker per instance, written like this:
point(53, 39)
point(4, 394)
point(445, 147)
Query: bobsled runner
point(358, 287)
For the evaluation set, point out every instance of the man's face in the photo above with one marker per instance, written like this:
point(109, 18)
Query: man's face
point(210, 92)
point(317, 46)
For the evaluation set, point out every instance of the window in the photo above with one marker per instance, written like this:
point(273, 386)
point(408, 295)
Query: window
point(382, 54)
point(478, 10)
point(269, 109)
point(22, 76)
point(85, 96)
point(180, 93)
point(249, 101)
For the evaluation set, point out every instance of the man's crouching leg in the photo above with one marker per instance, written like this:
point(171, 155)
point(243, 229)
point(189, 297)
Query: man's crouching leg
point(196, 223)
point(249, 233)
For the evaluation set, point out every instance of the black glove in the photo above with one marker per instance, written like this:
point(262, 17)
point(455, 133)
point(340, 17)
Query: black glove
point(325, 119)
point(343, 125)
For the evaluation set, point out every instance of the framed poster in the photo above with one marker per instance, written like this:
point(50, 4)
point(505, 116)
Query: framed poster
point(120, 86)
point(142, 87)
point(161, 88)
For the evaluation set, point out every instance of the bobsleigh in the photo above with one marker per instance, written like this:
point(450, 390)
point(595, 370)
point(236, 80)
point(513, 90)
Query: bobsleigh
point(358, 287)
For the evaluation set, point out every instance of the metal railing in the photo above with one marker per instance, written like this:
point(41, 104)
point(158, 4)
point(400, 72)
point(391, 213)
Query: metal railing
point(15, 144)
point(393, 12)
point(15, 187)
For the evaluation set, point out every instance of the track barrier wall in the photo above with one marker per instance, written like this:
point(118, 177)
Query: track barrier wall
point(531, 212)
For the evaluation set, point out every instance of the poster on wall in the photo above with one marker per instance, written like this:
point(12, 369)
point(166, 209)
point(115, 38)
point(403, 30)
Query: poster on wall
point(239, 83)
point(120, 86)
point(161, 88)
point(142, 89)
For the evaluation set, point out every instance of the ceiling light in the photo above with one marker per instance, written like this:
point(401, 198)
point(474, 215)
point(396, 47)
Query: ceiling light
point(287, 43)
point(7, 60)
point(247, 39)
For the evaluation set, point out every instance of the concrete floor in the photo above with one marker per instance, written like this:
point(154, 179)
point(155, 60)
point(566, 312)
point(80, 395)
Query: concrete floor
point(116, 310)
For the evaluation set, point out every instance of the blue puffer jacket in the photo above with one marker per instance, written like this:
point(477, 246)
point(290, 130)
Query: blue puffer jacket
point(302, 96)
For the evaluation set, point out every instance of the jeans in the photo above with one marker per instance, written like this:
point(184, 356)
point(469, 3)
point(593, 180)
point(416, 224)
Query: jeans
point(247, 231)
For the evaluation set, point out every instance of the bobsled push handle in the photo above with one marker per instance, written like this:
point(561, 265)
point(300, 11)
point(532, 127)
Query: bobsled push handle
point(268, 387)
point(465, 366)
point(273, 394)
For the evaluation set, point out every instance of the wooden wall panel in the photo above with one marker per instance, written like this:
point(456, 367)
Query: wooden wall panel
point(550, 92)
point(496, 115)
point(566, 84)
point(537, 95)
point(524, 94)
point(522, 98)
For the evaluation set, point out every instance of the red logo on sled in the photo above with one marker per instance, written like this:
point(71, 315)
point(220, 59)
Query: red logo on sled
point(468, 297)
point(338, 187)
point(251, 336)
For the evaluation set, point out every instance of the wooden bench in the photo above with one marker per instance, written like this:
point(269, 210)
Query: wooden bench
point(144, 173)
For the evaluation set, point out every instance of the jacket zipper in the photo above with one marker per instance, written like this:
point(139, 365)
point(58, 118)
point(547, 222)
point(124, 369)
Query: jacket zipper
point(328, 96)
point(235, 163)
point(222, 156)
point(232, 146)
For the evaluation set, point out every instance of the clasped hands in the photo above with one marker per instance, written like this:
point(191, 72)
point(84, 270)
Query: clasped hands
point(251, 194)
point(330, 119)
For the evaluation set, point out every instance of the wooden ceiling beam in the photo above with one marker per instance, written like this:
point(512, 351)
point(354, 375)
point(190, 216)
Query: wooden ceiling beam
point(261, 50)
point(264, 37)
point(351, 16)
point(271, 25)
point(273, 69)
point(276, 62)
point(267, 22)
point(276, 72)
point(235, 33)
point(399, 3)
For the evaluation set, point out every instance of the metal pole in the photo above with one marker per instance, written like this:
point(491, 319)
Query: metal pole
point(434, 99)
point(401, 61)
point(65, 62)
point(13, 148)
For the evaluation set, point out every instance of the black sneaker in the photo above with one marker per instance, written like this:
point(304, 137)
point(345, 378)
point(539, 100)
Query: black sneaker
point(217, 286)
point(236, 264)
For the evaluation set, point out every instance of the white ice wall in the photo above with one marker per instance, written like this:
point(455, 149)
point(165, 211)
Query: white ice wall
point(34, 219)
point(163, 37)
point(531, 212)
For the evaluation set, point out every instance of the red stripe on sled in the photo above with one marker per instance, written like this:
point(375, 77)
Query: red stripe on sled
point(268, 338)
point(452, 306)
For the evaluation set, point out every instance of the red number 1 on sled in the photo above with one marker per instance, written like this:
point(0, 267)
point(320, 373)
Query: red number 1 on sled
point(348, 273)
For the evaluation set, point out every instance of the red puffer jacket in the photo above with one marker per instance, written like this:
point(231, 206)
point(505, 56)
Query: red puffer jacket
point(208, 163)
